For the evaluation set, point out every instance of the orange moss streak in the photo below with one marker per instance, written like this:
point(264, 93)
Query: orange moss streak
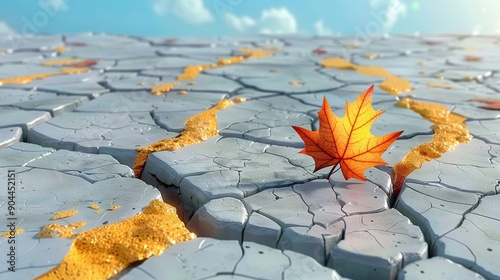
point(472, 58)
point(272, 48)
point(17, 231)
point(197, 129)
point(115, 207)
point(60, 49)
point(372, 56)
point(294, 83)
point(56, 230)
point(31, 78)
point(449, 131)
point(64, 214)
point(62, 62)
point(163, 88)
point(192, 71)
point(96, 208)
point(392, 84)
point(436, 85)
point(70, 62)
point(103, 252)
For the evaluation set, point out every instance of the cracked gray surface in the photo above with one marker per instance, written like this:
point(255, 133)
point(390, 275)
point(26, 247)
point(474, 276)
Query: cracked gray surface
point(249, 184)
point(49, 181)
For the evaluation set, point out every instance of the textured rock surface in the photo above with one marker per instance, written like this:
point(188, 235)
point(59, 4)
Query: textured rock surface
point(48, 182)
point(257, 206)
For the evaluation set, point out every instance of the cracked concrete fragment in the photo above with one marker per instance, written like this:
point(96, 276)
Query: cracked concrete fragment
point(255, 262)
point(115, 134)
point(303, 265)
point(475, 244)
point(465, 178)
point(488, 130)
point(24, 119)
point(195, 259)
point(437, 268)
point(436, 209)
point(260, 229)
point(377, 246)
point(40, 193)
point(223, 167)
point(10, 135)
point(222, 218)
point(22, 153)
point(55, 106)
point(282, 205)
point(315, 242)
point(207, 258)
point(198, 190)
point(321, 200)
point(359, 197)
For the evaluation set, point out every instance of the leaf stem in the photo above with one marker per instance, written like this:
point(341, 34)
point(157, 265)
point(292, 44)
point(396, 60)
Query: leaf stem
point(331, 171)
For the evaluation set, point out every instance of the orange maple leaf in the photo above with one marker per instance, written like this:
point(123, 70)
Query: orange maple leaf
point(347, 141)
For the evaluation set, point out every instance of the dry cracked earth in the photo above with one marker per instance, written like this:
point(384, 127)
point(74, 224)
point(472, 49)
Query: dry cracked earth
point(154, 158)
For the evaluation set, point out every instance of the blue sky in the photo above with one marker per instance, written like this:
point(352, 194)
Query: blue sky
point(181, 18)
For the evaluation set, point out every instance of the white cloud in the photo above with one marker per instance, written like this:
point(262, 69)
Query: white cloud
point(321, 29)
point(240, 23)
point(271, 21)
point(5, 29)
point(392, 11)
point(191, 11)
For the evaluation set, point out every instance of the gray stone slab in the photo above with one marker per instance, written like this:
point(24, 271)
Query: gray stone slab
point(115, 134)
point(10, 135)
point(473, 173)
point(24, 119)
point(232, 166)
point(35, 187)
point(91, 89)
point(144, 101)
point(383, 243)
point(154, 62)
point(298, 83)
point(436, 268)
point(487, 130)
point(206, 83)
point(271, 126)
point(475, 243)
point(222, 218)
point(88, 166)
point(21, 57)
point(359, 197)
point(12, 96)
point(55, 106)
point(314, 241)
point(436, 209)
point(206, 258)
point(213, 51)
point(262, 230)
point(322, 202)
point(472, 111)
point(22, 153)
